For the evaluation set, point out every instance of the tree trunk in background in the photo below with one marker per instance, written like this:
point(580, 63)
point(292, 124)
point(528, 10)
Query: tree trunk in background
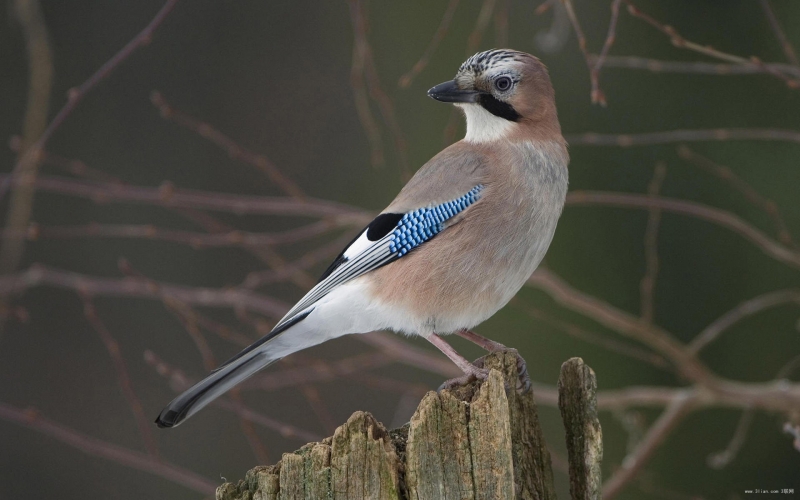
point(476, 441)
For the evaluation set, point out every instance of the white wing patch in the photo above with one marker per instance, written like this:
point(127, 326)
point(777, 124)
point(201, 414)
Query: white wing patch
point(358, 246)
point(395, 236)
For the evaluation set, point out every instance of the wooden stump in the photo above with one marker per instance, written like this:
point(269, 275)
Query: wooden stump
point(479, 441)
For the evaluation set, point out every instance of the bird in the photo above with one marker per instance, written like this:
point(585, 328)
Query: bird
point(456, 244)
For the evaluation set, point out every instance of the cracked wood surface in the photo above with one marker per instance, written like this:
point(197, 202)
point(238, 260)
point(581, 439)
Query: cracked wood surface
point(477, 441)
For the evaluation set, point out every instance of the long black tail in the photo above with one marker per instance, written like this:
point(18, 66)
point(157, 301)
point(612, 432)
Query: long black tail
point(211, 387)
point(280, 342)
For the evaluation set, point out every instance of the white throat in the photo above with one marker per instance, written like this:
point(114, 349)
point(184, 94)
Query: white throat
point(483, 126)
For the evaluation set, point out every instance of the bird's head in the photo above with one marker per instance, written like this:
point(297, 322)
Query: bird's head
point(504, 94)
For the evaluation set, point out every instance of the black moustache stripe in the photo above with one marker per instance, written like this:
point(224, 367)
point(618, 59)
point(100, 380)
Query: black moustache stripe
point(499, 108)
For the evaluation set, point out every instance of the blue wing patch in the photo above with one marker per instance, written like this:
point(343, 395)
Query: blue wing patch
point(417, 227)
point(410, 231)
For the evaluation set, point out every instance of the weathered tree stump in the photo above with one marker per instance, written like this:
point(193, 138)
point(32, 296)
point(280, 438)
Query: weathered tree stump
point(478, 441)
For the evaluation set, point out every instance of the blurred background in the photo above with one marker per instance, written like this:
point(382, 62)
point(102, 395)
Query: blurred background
point(139, 248)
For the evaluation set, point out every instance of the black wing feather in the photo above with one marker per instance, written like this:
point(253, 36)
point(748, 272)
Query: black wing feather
point(377, 229)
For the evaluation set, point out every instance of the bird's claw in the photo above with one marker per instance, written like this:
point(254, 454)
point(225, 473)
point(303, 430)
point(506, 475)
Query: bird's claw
point(524, 380)
point(477, 373)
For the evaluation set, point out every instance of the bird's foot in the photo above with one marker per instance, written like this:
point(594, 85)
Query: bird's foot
point(523, 379)
point(472, 373)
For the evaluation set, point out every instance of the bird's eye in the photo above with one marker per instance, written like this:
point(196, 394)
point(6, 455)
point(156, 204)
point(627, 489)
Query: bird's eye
point(503, 83)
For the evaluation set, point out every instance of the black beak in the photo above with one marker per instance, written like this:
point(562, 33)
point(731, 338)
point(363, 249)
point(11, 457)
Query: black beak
point(449, 92)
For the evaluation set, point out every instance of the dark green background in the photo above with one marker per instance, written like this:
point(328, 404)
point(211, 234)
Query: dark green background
point(275, 76)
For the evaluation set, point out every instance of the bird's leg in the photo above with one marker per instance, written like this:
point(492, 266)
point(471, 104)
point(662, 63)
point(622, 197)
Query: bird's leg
point(481, 341)
point(470, 371)
point(492, 346)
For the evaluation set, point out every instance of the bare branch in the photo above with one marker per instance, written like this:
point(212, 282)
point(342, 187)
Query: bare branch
point(481, 25)
point(779, 33)
point(38, 275)
point(171, 197)
point(501, 24)
point(720, 459)
point(612, 345)
point(594, 71)
point(179, 382)
point(681, 42)
point(441, 31)
point(648, 282)
point(194, 239)
point(313, 371)
point(124, 379)
point(719, 217)
point(233, 149)
point(636, 460)
point(596, 95)
point(623, 323)
point(777, 396)
point(696, 67)
point(728, 175)
point(305, 262)
point(738, 313)
point(76, 95)
point(671, 136)
point(31, 419)
point(40, 71)
point(358, 18)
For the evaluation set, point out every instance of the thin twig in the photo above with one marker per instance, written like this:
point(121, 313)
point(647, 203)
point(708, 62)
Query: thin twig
point(312, 396)
point(219, 329)
point(791, 55)
point(40, 70)
point(234, 150)
point(195, 239)
point(501, 24)
point(741, 396)
point(441, 31)
point(698, 67)
point(594, 338)
point(261, 251)
point(636, 460)
point(361, 101)
point(679, 41)
point(719, 217)
point(327, 251)
point(775, 396)
point(179, 382)
point(728, 175)
point(481, 25)
point(787, 369)
point(72, 166)
point(124, 379)
point(130, 287)
point(625, 324)
point(171, 197)
point(317, 371)
point(92, 446)
point(358, 18)
point(740, 312)
point(648, 283)
point(594, 71)
point(671, 136)
point(720, 459)
point(76, 95)
point(552, 39)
